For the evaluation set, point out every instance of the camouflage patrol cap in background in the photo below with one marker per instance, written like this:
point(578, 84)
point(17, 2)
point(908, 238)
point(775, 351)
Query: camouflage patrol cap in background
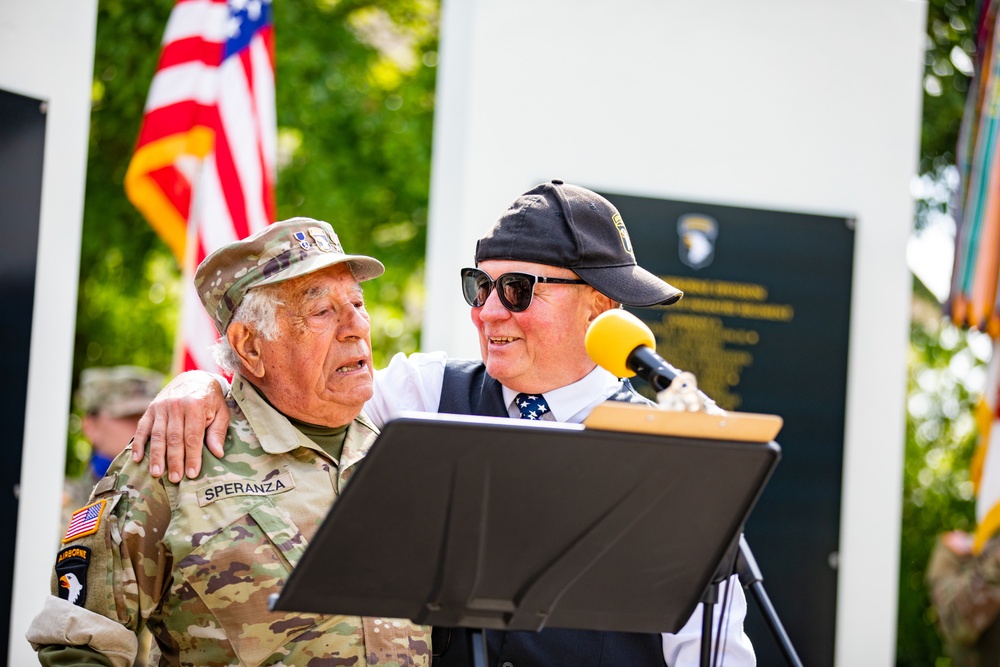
point(281, 251)
point(117, 391)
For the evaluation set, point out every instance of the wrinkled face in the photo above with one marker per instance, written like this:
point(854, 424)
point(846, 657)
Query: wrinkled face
point(541, 348)
point(318, 369)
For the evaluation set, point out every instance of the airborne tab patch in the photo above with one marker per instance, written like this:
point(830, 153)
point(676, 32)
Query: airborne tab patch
point(268, 486)
point(85, 521)
point(71, 568)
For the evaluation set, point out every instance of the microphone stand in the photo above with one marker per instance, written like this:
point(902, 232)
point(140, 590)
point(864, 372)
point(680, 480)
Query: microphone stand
point(745, 565)
point(752, 580)
point(660, 374)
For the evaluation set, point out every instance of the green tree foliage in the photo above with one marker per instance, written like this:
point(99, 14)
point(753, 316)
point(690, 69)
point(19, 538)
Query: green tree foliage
point(945, 380)
point(355, 114)
point(948, 63)
point(355, 103)
point(946, 366)
point(948, 59)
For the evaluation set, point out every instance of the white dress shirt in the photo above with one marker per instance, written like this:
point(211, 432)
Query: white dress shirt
point(413, 383)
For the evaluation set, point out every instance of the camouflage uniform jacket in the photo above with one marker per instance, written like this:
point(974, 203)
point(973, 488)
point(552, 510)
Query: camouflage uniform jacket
point(197, 561)
point(965, 592)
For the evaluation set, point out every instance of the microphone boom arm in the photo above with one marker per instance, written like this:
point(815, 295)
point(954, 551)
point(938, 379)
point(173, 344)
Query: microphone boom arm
point(660, 375)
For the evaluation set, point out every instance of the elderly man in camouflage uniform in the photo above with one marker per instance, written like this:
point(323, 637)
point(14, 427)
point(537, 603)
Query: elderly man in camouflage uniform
point(111, 400)
point(196, 561)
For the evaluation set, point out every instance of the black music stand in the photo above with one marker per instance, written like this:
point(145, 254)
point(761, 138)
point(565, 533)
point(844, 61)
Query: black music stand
point(505, 524)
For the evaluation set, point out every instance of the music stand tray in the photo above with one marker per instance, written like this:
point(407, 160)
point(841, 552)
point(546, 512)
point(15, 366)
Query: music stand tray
point(515, 525)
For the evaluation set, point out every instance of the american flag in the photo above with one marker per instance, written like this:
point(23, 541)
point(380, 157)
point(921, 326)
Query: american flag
point(85, 521)
point(203, 171)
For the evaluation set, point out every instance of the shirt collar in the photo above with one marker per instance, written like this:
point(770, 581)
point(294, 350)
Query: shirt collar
point(275, 433)
point(566, 402)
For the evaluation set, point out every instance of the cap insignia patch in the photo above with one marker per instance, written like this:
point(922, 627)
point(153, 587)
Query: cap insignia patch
point(620, 226)
point(322, 240)
point(301, 238)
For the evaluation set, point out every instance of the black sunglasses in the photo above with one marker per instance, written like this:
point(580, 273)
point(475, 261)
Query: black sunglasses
point(514, 289)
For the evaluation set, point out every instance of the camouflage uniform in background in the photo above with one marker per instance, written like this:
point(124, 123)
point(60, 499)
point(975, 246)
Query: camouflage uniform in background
point(965, 592)
point(117, 391)
point(197, 561)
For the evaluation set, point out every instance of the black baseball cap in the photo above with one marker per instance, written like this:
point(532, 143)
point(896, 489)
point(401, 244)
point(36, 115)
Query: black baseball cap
point(574, 228)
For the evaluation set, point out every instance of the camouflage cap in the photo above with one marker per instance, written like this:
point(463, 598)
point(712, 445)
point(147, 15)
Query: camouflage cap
point(281, 251)
point(117, 391)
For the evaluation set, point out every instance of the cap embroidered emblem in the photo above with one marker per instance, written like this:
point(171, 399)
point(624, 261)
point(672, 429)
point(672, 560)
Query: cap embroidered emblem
point(620, 226)
point(323, 241)
point(301, 238)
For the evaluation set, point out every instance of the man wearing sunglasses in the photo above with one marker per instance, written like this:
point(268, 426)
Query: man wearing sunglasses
point(556, 259)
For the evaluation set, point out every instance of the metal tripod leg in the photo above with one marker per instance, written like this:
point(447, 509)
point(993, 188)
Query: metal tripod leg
point(751, 578)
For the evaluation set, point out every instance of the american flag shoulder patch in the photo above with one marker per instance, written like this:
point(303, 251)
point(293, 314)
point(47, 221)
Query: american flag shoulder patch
point(85, 521)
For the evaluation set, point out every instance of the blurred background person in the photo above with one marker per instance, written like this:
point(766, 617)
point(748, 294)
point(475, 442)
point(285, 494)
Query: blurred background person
point(112, 399)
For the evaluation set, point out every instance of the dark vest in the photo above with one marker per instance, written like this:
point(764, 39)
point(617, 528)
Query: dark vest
point(468, 390)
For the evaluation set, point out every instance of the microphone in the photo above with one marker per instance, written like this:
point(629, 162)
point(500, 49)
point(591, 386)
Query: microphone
point(622, 343)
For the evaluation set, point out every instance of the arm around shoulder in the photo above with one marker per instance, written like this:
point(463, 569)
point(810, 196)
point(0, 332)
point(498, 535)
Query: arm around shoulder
point(187, 414)
point(409, 383)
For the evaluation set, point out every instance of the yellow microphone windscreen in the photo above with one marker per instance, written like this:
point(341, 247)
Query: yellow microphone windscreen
point(611, 338)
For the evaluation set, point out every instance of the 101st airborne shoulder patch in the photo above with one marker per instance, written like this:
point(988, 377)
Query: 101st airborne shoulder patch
point(71, 568)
